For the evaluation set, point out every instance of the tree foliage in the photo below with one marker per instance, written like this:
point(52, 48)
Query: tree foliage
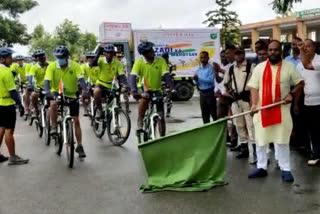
point(66, 33)
point(283, 6)
point(43, 40)
point(88, 41)
point(230, 32)
point(11, 30)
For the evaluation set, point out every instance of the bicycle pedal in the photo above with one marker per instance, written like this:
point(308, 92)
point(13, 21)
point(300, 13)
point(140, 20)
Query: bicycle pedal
point(81, 159)
point(54, 135)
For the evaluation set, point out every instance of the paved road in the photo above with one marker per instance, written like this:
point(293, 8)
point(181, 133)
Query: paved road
point(108, 180)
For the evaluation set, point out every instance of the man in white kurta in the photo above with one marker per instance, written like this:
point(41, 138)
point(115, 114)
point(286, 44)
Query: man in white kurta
point(279, 134)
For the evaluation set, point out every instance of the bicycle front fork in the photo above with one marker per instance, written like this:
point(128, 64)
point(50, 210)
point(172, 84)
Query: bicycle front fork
point(65, 120)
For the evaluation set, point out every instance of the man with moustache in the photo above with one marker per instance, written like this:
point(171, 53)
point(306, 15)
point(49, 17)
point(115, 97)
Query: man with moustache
point(294, 58)
point(270, 83)
point(310, 72)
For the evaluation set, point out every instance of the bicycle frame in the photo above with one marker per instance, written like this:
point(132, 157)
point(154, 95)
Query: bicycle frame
point(45, 106)
point(111, 107)
point(66, 111)
point(152, 113)
point(91, 107)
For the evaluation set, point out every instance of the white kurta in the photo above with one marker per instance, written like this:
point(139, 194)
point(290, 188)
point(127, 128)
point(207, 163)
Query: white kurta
point(280, 133)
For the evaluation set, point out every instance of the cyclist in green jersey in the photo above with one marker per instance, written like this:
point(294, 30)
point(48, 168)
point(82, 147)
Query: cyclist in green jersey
point(152, 71)
point(63, 77)
point(110, 70)
point(9, 97)
point(36, 78)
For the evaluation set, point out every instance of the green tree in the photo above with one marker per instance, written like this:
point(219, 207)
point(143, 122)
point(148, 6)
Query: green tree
point(230, 32)
point(11, 30)
point(40, 39)
point(68, 33)
point(283, 6)
point(88, 41)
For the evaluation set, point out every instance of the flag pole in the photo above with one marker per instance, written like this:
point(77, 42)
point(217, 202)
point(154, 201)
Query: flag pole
point(258, 109)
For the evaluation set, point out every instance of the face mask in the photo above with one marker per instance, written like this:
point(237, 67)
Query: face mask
point(62, 61)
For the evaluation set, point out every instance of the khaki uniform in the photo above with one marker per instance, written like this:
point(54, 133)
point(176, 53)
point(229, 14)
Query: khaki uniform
point(243, 124)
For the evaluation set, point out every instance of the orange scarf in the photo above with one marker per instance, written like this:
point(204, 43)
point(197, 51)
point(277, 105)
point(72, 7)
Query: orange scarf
point(270, 116)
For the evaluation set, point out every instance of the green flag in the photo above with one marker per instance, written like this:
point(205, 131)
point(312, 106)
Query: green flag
point(193, 160)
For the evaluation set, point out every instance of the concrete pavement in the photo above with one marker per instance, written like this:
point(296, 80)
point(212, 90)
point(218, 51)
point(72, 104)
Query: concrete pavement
point(108, 180)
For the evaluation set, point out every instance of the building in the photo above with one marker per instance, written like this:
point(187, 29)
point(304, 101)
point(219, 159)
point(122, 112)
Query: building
point(304, 24)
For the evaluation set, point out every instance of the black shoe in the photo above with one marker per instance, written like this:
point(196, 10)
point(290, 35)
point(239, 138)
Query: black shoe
point(287, 176)
point(258, 173)
point(3, 158)
point(233, 143)
point(236, 148)
point(244, 151)
point(80, 151)
point(243, 154)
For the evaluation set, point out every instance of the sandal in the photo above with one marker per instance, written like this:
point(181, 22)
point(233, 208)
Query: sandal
point(313, 162)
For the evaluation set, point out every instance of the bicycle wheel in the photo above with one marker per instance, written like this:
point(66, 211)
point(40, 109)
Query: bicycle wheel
point(157, 128)
point(119, 127)
point(39, 127)
point(59, 140)
point(47, 136)
point(91, 117)
point(99, 125)
point(70, 143)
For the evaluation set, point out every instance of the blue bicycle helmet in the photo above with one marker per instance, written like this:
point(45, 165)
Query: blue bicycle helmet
point(61, 51)
point(4, 51)
point(38, 53)
point(145, 47)
point(19, 57)
point(109, 48)
point(91, 54)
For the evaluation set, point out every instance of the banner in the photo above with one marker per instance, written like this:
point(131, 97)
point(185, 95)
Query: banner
point(182, 45)
point(115, 32)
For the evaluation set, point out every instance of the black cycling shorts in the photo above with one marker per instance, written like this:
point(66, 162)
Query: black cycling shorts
point(8, 117)
point(105, 92)
point(74, 106)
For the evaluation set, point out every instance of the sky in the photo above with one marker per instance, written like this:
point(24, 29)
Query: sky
point(143, 14)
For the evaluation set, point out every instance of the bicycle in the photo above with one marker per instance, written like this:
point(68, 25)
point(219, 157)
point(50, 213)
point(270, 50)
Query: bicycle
point(89, 109)
point(21, 90)
point(65, 132)
point(113, 119)
point(40, 120)
point(152, 120)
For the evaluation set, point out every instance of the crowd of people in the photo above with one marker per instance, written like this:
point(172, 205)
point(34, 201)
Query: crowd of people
point(234, 86)
point(239, 85)
point(64, 76)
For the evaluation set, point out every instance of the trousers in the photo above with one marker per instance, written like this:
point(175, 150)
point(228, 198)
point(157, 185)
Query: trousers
point(243, 124)
point(282, 154)
point(208, 105)
point(312, 124)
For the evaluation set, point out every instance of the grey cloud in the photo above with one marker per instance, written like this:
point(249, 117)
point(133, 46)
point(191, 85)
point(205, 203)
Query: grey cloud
point(89, 14)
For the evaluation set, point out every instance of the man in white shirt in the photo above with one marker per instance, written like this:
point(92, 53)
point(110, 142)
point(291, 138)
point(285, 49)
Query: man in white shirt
point(309, 69)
